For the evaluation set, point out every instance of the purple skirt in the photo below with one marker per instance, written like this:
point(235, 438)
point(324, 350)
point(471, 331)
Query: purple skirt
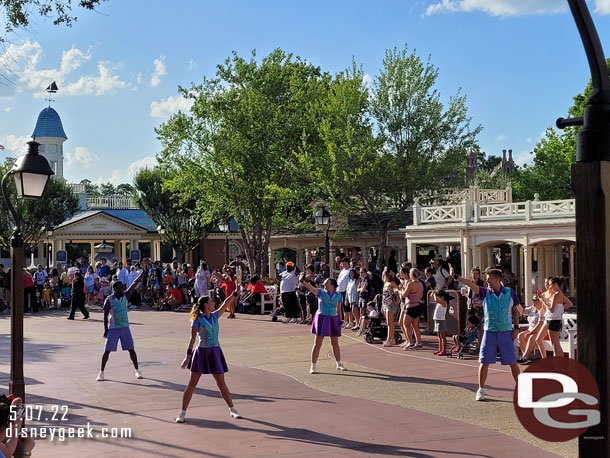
point(208, 361)
point(326, 326)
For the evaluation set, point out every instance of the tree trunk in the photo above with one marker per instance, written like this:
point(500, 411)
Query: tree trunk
point(382, 246)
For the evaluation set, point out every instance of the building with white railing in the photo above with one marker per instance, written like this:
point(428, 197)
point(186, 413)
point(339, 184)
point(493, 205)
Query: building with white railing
point(537, 238)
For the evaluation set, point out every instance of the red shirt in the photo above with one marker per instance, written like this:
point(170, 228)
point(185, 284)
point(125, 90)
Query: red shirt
point(27, 280)
point(229, 286)
point(175, 293)
point(258, 287)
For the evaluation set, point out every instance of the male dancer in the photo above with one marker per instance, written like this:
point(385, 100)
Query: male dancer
point(118, 327)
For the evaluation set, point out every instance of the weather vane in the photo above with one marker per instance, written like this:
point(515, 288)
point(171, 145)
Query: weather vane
point(51, 89)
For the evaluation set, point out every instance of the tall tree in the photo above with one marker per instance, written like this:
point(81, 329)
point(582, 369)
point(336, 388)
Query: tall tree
point(418, 146)
point(57, 205)
point(240, 141)
point(184, 228)
point(17, 13)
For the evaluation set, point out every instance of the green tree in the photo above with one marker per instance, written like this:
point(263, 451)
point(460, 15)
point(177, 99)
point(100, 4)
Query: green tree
point(554, 155)
point(418, 142)
point(238, 146)
point(57, 205)
point(184, 229)
point(18, 13)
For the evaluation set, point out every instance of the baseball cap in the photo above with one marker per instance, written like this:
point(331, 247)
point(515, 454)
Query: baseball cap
point(289, 264)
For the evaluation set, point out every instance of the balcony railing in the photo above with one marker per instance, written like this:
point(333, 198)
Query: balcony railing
point(110, 203)
point(468, 212)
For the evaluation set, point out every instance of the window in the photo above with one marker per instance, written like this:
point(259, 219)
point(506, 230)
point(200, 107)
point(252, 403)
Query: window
point(52, 148)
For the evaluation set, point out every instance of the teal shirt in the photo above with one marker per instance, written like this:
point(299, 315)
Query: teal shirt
point(327, 303)
point(498, 308)
point(207, 329)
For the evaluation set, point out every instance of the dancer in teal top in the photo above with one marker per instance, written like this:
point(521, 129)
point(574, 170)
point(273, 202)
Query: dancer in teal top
point(327, 321)
point(207, 358)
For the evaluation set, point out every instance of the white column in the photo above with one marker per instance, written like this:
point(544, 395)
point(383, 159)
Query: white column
point(271, 264)
point(514, 257)
point(123, 251)
point(412, 252)
point(92, 255)
point(117, 249)
point(476, 258)
point(490, 258)
point(527, 264)
point(465, 253)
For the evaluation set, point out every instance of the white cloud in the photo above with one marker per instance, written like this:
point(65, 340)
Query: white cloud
point(169, 106)
point(602, 6)
point(501, 7)
point(160, 70)
point(14, 145)
point(145, 162)
point(528, 139)
point(8, 109)
point(81, 156)
point(23, 61)
point(139, 78)
point(114, 178)
point(501, 137)
point(523, 158)
point(192, 64)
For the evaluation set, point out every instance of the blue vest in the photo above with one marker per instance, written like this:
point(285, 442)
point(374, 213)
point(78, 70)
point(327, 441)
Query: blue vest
point(498, 311)
point(119, 312)
point(328, 303)
point(210, 325)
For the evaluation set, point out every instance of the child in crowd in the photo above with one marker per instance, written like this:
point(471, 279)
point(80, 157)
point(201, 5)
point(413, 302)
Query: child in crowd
point(467, 333)
point(365, 320)
point(441, 298)
point(46, 295)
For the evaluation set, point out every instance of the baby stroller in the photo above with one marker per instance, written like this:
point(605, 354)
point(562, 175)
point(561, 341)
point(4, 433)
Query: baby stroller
point(378, 329)
point(469, 345)
point(66, 296)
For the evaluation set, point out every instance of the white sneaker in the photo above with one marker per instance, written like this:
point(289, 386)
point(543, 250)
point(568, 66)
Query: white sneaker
point(293, 320)
point(138, 374)
point(233, 413)
point(480, 395)
point(180, 417)
point(341, 367)
point(100, 376)
point(312, 369)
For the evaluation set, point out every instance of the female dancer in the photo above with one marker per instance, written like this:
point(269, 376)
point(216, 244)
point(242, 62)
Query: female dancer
point(326, 321)
point(390, 303)
point(207, 357)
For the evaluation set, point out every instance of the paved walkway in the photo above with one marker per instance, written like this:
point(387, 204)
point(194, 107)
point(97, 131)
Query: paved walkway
point(387, 404)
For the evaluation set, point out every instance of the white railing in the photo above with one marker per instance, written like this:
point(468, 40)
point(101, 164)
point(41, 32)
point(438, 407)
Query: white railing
point(474, 212)
point(77, 188)
point(110, 203)
point(472, 194)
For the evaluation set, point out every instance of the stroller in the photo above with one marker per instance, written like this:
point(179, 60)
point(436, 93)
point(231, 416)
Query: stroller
point(469, 344)
point(378, 329)
point(66, 296)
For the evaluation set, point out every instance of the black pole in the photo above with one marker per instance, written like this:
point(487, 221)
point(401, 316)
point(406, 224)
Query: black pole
point(327, 252)
point(591, 186)
point(16, 378)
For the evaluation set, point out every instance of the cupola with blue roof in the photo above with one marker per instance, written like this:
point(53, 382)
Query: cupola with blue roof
point(49, 132)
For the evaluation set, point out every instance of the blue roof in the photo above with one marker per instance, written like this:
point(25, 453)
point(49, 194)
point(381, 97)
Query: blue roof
point(134, 216)
point(49, 125)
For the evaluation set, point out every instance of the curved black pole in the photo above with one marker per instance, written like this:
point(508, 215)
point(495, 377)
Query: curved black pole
point(7, 199)
point(594, 138)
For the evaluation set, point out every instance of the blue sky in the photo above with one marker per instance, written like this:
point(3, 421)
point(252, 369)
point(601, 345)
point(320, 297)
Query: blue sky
point(519, 62)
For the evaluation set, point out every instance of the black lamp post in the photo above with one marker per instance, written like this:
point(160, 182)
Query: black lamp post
point(49, 249)
point(323, 220)
point(590, 182)
point(31, 174)
point(224, 227)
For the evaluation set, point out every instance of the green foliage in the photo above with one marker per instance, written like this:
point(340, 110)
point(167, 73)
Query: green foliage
point(418, 139)
point(237, 148)
point(57, 205)
point(17, 13)
point(183, 228)
point(108, 189)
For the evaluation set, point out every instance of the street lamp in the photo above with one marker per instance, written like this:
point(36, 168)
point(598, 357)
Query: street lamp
point(224, 227)
point(323, 220)
point(49, 232)
point(161, 231)
point(31, 174)
point(590, 175)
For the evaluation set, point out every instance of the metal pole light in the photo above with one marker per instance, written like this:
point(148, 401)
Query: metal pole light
point(224, 227)
point(591, 186)
point(31, 174)
point(323, 219)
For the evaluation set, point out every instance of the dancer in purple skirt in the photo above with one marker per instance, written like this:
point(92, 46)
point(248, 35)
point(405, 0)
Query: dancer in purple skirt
point(326, 321)
point(207, 358)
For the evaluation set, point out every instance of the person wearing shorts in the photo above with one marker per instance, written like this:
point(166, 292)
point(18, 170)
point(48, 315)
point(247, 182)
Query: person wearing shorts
point(116, 325)
point(501, 308)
